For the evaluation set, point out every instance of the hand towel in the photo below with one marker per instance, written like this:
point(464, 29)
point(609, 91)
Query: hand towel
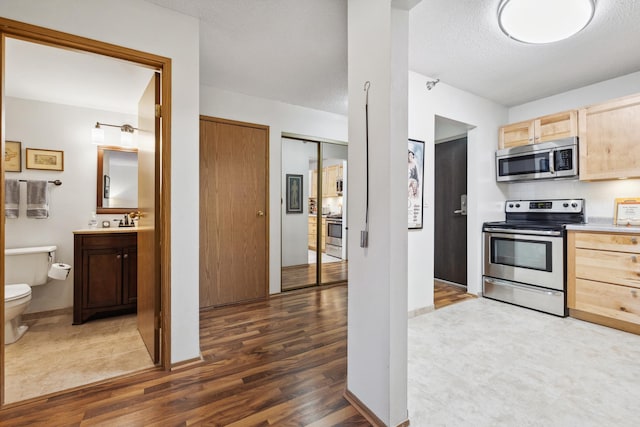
point(37, 199)
point(11, 198)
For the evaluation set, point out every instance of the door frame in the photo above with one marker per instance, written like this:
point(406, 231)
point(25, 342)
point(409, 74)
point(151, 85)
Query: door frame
point(40, 35)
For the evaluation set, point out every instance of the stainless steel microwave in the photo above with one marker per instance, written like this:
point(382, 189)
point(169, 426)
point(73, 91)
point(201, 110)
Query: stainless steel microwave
point(546, 160)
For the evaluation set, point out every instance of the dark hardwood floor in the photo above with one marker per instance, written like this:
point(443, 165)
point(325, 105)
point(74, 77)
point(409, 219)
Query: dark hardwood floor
point(445, 294)
point(277, 362)
point(299, 276)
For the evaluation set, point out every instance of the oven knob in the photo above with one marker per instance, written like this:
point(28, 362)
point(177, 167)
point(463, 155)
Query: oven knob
point(510, 205)
point(574, 205)
point(517, 205)
point(566, 205)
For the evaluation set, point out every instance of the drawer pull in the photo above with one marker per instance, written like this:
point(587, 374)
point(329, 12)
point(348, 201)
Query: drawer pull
point(126, 255)
point(117, 256)
point(634, 240)
point(634, 258)
point(634, 293)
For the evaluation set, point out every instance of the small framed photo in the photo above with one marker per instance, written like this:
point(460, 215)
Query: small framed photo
point(106, 188)
point(13, 156)
point(627, 212)
point(294, 193)
point(50, 160)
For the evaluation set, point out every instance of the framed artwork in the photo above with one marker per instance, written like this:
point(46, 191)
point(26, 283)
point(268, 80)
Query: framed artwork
point(13, 156)
point(106, 187)
point(294, 193)
point(415, 183)
point(627, 212)
point(50, 160)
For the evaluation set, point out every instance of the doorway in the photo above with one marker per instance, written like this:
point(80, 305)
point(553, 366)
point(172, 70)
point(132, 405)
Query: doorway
point(314, 232)
point(157, 295)
point(450, 209)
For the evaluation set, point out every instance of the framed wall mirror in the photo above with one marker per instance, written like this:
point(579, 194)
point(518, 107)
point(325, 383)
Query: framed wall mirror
point(117, 180)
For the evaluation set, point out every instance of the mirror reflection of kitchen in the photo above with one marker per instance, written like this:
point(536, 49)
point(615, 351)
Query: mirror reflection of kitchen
point(317, 237)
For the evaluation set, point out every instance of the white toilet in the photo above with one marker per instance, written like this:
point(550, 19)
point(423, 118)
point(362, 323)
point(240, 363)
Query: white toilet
point(24, 267)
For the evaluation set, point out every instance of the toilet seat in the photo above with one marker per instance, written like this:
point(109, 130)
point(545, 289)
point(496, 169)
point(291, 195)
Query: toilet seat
point(14, 292)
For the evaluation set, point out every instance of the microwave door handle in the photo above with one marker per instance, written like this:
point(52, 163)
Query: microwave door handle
point(552, 165)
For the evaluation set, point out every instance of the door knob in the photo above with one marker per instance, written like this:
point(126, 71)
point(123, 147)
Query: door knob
point(260, 213)
point(457, 211)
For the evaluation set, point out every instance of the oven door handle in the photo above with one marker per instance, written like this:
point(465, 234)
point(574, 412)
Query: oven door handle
point(517, 231)
point(524, 287)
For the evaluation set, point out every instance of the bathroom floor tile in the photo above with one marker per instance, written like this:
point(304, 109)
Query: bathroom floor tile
point(55, 355)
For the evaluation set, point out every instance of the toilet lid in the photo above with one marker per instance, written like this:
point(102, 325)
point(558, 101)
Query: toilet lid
point(13, 292)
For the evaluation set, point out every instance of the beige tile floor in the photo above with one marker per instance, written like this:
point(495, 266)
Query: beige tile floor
point(55, 355)
point(485, 363)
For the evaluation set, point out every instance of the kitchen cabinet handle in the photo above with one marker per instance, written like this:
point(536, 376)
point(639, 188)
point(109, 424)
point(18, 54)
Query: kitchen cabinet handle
point(634, 258)
point(634, 240)
point(634, 293)
point(118, 256)
point(126, 255)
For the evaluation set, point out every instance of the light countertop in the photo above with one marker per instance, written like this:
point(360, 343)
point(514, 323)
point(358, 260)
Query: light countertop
point(609, 228)
point(111, 230)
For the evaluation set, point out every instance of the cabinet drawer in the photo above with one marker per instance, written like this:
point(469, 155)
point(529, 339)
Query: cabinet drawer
point(109, 240)
point(609, 242)
point(613, 301)
point(611, 267)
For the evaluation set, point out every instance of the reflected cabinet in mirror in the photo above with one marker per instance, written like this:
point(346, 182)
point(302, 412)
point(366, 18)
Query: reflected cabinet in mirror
point(117, 182)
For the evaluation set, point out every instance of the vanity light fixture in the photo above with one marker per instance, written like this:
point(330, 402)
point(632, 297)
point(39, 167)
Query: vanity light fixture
point(126, 133)
point(544, 21)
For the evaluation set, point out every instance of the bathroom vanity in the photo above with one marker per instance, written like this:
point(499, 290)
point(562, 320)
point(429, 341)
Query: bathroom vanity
point(105, 277)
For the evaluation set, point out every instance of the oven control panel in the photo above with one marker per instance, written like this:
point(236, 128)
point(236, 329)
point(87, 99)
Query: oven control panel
point(551, 206)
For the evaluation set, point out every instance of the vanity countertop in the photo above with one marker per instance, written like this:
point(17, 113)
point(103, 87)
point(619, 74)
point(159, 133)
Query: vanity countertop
point(111, 230)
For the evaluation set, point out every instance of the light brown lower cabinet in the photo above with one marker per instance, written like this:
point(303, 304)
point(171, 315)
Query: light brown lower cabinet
point(603, 278)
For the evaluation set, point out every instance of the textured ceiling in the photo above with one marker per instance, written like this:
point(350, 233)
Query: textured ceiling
point(461, 43)
point(295, 51)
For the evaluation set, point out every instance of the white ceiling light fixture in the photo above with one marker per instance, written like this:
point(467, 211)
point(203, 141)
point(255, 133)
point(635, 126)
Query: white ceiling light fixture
point(544, 21)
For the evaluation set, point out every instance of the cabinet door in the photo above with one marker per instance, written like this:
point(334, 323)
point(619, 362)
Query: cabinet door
point(556, 126)
point(516, 134)
point(609, 147)
point(331, 178)
point(130, 276)
point(102, 281)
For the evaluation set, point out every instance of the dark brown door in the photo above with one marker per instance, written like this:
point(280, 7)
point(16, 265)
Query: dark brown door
point(450, 235)
point(148, 205)
point(233, 211)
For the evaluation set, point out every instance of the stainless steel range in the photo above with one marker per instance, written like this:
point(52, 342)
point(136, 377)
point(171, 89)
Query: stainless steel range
point(333, 241)
point(524, 256)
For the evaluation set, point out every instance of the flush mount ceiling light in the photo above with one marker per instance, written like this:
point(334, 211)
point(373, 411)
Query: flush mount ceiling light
point(544, 21)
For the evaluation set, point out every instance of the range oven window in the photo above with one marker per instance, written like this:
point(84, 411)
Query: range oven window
point(526, 164)
point(532, 254)
point(334, 230)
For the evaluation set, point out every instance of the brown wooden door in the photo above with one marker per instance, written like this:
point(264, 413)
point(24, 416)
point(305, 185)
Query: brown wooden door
point(148, 204)
point(450, 234)
point(233, 211)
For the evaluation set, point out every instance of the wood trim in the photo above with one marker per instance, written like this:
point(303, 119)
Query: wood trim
point(605, 321)
point(235, 123)
point(41, 35)
point(187, 363)
point(366, 412)
point(100, 185)
point(571, 269)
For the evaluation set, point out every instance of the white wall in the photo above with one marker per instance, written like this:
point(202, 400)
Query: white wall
point(485, 198)
point(599, 195)
point(295, 226)
point(56, 127)
point(280, 118)
point(140, 25)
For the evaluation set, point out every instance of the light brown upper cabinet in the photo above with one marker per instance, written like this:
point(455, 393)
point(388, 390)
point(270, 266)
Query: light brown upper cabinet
point(609, 147)
point(541, 129)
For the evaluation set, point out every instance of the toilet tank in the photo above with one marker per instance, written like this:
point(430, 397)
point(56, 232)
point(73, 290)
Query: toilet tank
point(28, 265)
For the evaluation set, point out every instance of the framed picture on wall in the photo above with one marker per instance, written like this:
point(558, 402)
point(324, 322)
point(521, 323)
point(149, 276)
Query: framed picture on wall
point(294, 193)
point(415, 183)
point(13, 156)
point(50, 160)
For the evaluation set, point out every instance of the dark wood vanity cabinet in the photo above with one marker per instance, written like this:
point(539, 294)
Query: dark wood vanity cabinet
point(105, 276)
